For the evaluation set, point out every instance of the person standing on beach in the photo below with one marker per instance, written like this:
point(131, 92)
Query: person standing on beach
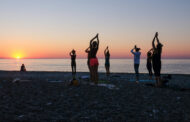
point(94, 46)
point(136, 61)
point(107, 61)
point(156, 59)
point(88, 60)
point(149, 63)
point(73, 61)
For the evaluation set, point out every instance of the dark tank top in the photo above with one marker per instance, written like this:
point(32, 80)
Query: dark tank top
point(73, 57)
point(149, 59)
point(156, 58)
point(93, 52)
point(107, 57)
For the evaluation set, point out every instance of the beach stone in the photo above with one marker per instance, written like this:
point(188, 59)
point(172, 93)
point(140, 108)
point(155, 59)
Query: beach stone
point(49, 103)
point(178, 98)
point(44, 101)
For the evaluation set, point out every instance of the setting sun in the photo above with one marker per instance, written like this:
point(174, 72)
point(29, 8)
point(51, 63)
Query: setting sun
point(18, 57)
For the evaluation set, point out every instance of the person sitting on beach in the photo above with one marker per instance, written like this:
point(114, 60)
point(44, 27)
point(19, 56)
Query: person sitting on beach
point(149, 63)
point(94, 46)
point(156, 59)
point(107, 61)
point(23, 68)
point(73, 62)
point(136, 61)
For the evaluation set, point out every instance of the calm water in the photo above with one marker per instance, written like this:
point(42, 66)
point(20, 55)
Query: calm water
point(173, 66)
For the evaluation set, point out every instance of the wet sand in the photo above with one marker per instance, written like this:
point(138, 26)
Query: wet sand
point(48, 97)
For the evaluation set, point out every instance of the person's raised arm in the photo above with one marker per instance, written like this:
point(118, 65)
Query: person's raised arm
point(157, 40)
point(132, 51)
point(70, 53)
point(150, 50)
point(87, 50)
point(153, 45)
point(105, 51)
point(97, 40)
point(93, 39)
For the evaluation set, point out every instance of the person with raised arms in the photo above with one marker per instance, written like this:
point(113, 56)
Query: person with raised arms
point(94, 46)
point(149, 63)
point(73, 61)
point(137, 55)
point(107, 60)
point(88, 60)
point(156, 59)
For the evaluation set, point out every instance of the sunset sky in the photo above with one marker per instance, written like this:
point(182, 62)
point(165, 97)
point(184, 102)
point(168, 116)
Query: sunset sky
point(52, 28)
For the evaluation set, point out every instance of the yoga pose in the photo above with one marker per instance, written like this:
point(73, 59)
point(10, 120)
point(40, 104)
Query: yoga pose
point(107, 60)
point(136, 61)
point(73, 62)
point(156, 59)
point(88, 61)
point(149, 63)
point(94, 45)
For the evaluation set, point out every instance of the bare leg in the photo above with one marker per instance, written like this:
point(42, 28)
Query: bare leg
point(89, 67)
point(137, 78)
point(159, 82)
point(75, 69)
point(108, 70)
point(156, 81)
point(96, 74)
point(91, 73)
point(72, 68)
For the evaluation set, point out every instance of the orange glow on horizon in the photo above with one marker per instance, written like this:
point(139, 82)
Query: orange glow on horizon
point(17, 56)
point(61, 54)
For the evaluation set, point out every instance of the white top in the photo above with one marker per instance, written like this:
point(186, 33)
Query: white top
point(136, 57)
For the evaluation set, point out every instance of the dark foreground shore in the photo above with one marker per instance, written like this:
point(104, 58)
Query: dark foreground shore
point(46, 96)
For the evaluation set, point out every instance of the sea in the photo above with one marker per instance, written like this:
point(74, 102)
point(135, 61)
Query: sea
point(169, 66)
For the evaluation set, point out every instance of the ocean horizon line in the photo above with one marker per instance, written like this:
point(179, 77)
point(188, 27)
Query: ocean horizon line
point(86, 58)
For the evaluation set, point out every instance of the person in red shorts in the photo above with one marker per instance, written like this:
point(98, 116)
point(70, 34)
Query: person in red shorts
point(94, 45)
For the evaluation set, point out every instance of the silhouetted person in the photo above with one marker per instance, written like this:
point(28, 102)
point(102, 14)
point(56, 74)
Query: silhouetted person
point(94, 46)
point(88, 60)
point(23, 68)
point(73, 61)
point(156, 59)
point(107, 60)
point(149, 63)
point(136, 61)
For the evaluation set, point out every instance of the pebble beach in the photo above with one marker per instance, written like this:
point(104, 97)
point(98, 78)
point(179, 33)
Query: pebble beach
point(46, 96)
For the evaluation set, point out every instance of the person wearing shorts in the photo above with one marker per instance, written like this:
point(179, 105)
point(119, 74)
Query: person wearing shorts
point(94, 45)
point(107, 61)
point(73, 61)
